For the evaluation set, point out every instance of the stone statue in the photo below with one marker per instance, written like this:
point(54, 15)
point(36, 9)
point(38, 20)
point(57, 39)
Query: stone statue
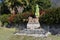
point(33, 26)
point(37, 11)
point(33, 23)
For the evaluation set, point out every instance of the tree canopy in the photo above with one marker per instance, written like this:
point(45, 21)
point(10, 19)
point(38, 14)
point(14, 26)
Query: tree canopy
point(28, 4)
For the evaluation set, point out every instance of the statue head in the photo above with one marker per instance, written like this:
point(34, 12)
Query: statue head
point(37, 6)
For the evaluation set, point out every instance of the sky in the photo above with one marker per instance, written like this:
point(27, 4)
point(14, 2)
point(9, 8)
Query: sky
point(0, 1)
point(55, 3)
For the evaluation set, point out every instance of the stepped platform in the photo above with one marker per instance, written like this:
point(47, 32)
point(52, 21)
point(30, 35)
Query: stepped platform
point(33, 32)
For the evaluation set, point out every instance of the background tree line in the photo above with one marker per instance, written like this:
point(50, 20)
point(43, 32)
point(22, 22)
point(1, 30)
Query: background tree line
point(28, 5)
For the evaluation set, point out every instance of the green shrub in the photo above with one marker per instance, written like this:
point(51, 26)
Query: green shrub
point(21, 16)
point(4, 18)
point(52, 16)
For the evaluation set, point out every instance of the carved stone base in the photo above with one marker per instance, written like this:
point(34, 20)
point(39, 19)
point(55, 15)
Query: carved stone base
point(33, 23)
point(33, 32)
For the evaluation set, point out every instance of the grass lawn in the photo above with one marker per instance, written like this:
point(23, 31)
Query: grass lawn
point(7, 34)
point(51, 37)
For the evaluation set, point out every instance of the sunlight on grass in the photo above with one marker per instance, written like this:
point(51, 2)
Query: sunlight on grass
point(5, 33)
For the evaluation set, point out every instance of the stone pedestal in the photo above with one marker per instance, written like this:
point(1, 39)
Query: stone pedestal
point(33, 29)
point(33, 23)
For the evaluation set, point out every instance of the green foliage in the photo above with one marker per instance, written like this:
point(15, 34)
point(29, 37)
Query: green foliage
point(4, 18)
point(19, 17)
point(29, 5)
point(52, 16)
point(4, 9)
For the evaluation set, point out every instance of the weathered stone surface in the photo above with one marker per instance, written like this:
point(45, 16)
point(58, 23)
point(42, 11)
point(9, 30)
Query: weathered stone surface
point(34, 32)
point(33, 23)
